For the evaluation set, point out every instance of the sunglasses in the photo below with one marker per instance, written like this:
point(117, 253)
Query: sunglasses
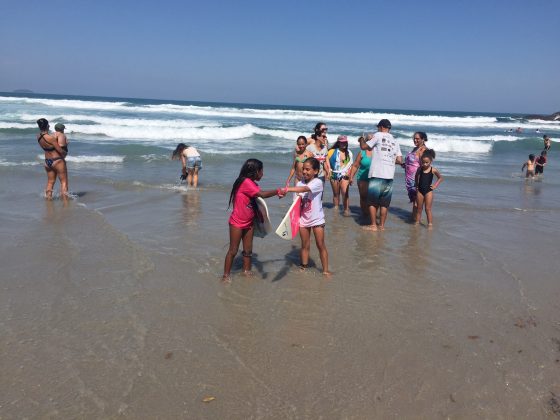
point(324, 129)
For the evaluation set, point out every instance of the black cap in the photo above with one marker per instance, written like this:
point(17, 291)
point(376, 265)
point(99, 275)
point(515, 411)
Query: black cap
point(385, 123)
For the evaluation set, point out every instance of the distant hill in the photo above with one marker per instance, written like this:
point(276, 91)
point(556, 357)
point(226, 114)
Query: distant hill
point(551, 117)
point(22, 91)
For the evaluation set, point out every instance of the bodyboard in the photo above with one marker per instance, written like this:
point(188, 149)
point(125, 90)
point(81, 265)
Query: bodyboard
point(289, 226)
point(262, 224)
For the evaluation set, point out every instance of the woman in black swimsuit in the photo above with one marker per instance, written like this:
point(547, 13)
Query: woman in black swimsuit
point(54, 160)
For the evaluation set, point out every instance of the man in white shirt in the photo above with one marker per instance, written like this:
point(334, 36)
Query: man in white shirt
point(386, 153)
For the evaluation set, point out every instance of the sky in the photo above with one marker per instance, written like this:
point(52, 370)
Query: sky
point(487, 56)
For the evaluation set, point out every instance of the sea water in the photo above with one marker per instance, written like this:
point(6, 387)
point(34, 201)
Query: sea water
point(111, 303)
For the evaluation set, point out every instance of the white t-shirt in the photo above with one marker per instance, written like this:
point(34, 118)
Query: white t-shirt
point(312, 204)
point(320, 155)
point(385, 151)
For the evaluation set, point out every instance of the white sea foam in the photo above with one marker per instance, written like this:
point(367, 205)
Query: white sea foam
point(91, 159)
point(95, 159)
point(4, 162)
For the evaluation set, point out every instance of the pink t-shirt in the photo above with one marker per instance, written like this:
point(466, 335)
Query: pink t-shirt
point(312, 204)
point(243, 212)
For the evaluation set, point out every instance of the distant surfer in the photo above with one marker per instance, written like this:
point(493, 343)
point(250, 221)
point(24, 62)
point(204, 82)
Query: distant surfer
point(518, 130)
point(191, 161)
point(547, 143)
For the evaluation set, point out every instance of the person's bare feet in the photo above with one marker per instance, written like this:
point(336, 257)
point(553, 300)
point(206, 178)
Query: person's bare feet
point(370, 227)
point(226, 279)
point(327, 274)
point(248, 273)
point(346, 212)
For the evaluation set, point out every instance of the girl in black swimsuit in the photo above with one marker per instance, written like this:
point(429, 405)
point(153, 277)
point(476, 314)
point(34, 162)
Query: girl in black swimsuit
point(424, 187)
point(54, 160)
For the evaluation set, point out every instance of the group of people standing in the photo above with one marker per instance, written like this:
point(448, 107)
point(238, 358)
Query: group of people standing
point(314, 163)
point(535, 165)
point(373, 168)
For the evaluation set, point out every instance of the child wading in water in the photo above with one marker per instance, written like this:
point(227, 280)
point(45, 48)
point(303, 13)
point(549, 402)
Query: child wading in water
point(423, 180)
point(530, 164)
point(300, 156)
point(312, 217)
point(243, 194)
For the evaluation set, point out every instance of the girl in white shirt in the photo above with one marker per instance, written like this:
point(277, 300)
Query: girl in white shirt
point(312, 217)
point(191, 161)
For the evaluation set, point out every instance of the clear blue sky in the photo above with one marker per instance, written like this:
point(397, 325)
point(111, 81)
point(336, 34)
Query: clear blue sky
point(498, 56)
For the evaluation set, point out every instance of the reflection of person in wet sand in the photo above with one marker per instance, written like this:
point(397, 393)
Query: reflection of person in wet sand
point(191, 207)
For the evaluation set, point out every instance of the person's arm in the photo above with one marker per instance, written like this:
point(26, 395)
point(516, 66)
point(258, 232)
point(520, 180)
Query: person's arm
point(184, 163)
point(523, 167)
point(439, 178)
point(399, 161)
point(327, 168)
point(269, 193)
point(417, 178)
point(300, 189)
point(54, 143)
point(355, 167)
point(292, 172)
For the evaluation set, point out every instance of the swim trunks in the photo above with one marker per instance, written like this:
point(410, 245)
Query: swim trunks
point(380, 191)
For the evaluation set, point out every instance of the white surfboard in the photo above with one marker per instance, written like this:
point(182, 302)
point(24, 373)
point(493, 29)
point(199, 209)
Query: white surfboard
point(262, 224)
point(289, 226)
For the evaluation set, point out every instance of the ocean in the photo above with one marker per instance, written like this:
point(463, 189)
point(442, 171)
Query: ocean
point(111, 303)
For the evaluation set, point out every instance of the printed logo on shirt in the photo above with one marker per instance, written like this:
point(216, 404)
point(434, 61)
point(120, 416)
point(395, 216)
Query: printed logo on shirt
point(305, 205)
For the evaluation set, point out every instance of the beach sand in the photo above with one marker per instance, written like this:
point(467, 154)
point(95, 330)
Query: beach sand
point(111, 306)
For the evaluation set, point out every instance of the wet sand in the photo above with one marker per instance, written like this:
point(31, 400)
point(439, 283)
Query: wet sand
point(111, 306)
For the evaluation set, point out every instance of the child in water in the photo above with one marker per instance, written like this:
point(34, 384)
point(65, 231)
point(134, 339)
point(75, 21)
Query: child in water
point(312, 217)
point(540, 163)
point(530, 164)
point(243, 194)
point(300, 156)
point(424, 187)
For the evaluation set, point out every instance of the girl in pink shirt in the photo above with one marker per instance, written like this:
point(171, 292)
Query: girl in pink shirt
point(243, 194)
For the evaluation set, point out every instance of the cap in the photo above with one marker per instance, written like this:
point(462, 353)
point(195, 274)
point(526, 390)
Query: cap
point(385, 123)
point(59, 127)
point(342, 139)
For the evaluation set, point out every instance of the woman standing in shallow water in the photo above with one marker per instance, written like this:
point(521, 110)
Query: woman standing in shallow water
point(191, 162)
point(411, 165)
point(55, 165)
